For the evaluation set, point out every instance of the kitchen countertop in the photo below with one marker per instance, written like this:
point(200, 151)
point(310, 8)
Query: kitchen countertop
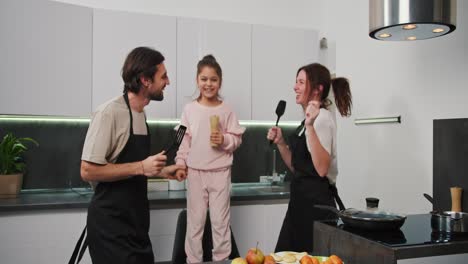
point(242, 193)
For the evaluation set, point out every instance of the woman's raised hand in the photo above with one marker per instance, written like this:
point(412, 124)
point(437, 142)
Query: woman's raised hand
point(311, 112)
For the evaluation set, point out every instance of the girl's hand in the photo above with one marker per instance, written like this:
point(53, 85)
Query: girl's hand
point(217, 138)
point(181, 174)
point(170, 172)
point(276, 135)
point(311, 112)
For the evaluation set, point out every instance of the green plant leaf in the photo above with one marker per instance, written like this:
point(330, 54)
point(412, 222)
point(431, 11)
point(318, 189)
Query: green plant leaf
point(11, 151)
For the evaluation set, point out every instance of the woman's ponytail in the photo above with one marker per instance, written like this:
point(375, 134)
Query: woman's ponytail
point(343, 98)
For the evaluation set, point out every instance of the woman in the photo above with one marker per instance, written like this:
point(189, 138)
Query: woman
point(311, 155)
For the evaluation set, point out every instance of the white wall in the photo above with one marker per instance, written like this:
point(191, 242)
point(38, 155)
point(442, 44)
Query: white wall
point(421, 80)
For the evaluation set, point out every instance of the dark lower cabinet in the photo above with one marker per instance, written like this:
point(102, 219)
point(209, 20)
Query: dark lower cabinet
point(413, 243)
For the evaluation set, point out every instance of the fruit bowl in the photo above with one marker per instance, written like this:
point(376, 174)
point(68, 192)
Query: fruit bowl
point(291, 257)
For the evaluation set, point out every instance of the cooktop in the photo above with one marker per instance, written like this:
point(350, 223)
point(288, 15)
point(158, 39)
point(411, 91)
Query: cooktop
point(415, 231)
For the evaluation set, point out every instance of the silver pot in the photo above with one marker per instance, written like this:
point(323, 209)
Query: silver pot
point(449, 222)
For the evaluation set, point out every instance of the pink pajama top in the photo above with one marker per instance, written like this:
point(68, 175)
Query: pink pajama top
point(195, 150)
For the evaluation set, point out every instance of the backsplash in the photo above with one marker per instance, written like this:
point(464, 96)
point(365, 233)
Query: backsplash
point(56, 162)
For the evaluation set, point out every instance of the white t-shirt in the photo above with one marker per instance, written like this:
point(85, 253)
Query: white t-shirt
point(325, 128)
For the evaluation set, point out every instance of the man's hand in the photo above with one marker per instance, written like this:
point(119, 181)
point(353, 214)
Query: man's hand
point(153, 165)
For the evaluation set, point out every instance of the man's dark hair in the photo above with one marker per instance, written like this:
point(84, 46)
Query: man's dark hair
point(141, 61)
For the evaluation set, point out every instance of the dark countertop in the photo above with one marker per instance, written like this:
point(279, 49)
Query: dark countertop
point(242, 193)
point(414, 239)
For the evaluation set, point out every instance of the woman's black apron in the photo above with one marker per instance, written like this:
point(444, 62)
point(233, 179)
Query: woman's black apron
point(307, 190)
point(118, 215)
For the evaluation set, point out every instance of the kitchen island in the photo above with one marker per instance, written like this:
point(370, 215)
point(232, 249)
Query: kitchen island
point(413, 243)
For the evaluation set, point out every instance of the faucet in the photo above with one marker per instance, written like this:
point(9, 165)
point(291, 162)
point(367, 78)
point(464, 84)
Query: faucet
point(273, 173)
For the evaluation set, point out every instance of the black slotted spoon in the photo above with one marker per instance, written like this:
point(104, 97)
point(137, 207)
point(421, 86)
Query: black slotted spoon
point(179, 136)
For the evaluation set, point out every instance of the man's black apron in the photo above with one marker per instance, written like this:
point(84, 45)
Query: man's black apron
point(118, 215)
point(307, 190)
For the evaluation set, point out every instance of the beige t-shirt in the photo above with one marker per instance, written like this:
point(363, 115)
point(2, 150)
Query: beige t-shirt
point(109, 131)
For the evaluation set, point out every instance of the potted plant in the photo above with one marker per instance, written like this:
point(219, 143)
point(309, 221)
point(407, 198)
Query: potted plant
point(12, 165)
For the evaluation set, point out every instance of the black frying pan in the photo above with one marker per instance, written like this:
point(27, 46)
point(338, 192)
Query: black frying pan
point(367, 220)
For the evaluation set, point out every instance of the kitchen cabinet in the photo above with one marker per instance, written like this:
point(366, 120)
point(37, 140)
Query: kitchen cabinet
point(63, 59)
point(450, 149)
point(46, 51)
point(257, 223)
point(49, 236)
point(277, 53)
point(230, 44)
point(115, 34)
point(162, 231)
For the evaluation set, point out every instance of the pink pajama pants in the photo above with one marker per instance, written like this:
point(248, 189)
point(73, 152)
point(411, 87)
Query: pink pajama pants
point(208, 189)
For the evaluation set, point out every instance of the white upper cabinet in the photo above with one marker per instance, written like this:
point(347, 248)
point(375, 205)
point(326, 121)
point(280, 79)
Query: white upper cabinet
point(45, 52)
point(115, 34)
point(277, 53)
point(230, 44)
point(63, 59)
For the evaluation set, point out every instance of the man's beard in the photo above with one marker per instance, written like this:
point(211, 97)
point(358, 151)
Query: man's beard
point(157, 96)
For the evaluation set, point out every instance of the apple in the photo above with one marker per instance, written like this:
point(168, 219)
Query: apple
point(238, 261)
point(255, 256)
point(269, 260)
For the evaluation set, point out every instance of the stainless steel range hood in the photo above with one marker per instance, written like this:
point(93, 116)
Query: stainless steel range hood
point(403, 20)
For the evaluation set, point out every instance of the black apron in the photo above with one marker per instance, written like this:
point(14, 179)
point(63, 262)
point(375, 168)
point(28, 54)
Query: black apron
point(118, 215)
point(307, 190)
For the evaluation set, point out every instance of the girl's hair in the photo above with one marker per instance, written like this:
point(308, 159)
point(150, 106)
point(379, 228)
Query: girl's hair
point(210, 61)
point(141, 61)
point(317, 74)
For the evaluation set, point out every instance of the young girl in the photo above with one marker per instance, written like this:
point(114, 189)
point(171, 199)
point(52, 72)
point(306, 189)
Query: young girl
point(311, 155)
point(207, 151)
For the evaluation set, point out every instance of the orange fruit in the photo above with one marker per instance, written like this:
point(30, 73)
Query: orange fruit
point(335, 259)
point(269, 260)
point(309, 260)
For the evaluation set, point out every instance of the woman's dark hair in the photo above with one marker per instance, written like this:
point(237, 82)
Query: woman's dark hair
point(141, 61)
point(210, 61)
point(317, 74)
